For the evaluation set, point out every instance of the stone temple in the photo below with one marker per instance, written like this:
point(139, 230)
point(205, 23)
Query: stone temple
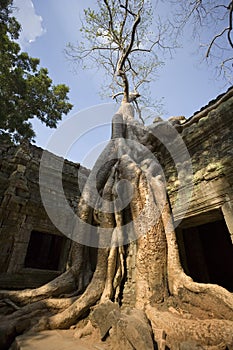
point(34, 251)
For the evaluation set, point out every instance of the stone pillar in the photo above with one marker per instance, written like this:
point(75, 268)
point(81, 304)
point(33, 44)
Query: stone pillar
point(12, 221)
point(227, 210)
point(19, 249)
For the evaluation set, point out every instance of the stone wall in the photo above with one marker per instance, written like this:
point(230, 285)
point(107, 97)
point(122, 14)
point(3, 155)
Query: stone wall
point(22, 211)
point(206, 193)
point(208, 137)
point(204, 222)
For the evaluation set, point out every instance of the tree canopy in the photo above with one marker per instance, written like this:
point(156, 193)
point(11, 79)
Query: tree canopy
point(119, 37)
point(26, 90)
point(126, 37)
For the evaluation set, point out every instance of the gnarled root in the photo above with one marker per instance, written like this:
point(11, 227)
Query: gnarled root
point(207, 332)
point(62, 284)
point(82, 305)
point(25, 317)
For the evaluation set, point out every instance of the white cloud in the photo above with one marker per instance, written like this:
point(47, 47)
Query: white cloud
point(30, 22)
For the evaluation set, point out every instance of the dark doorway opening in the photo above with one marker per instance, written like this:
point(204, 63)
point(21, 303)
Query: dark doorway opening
point(44, 251)
point(206, 253)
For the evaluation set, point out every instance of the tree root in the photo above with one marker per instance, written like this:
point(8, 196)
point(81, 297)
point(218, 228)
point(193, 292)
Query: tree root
point(76, 310)
point(67, 283)
point(178, 309)
point(179, 329)
point(62, 284)
point(27, 316)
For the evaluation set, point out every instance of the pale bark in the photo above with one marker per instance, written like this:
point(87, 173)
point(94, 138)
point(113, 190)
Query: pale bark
point(171, 300)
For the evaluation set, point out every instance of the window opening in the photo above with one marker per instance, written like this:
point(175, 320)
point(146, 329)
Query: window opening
point(44, 251)
point(206, 253)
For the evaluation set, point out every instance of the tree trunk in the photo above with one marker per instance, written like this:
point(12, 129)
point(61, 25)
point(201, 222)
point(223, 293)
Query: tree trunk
point(138, 295)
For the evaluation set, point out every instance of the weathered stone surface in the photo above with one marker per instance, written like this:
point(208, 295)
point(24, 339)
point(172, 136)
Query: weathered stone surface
point(136, 328)
point(209, 142)
point(128, 330)
point(101, 316)
point(22, 210)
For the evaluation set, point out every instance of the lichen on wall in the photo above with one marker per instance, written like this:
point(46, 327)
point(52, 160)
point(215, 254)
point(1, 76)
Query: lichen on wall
point(208, 137)
point(22, 210)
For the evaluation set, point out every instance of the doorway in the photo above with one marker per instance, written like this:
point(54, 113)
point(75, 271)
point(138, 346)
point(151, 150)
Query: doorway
point(44, 251)
point(206, 253)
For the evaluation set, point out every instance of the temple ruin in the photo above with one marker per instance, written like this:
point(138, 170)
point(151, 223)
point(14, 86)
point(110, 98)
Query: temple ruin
point(34, 251)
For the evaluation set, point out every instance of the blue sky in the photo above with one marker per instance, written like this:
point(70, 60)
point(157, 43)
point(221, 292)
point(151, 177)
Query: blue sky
point(47, 26)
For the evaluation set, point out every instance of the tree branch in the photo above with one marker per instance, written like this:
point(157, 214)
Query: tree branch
point(113, 34)
point(214, 39)
point(140, 83)
point(127, 9)
point(131, 68)
point(124, 56)
point(116, 95)
point(139, 111)
point(124, 19)
point(230, 24)
point(111, 28)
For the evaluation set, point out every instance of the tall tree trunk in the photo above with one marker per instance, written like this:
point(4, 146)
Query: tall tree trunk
point(138, 279)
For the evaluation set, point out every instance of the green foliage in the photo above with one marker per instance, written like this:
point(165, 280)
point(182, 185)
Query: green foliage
point(26, 91)
point(122, 38)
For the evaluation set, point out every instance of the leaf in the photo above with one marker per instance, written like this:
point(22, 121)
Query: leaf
point(26, 90)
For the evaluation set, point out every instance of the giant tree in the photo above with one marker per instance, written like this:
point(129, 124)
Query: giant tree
point(138, 292)
point(26, 91)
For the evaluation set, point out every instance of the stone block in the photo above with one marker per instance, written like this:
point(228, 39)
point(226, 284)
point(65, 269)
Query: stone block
point(100, 317)
point(227, 210)
point(132, 331)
